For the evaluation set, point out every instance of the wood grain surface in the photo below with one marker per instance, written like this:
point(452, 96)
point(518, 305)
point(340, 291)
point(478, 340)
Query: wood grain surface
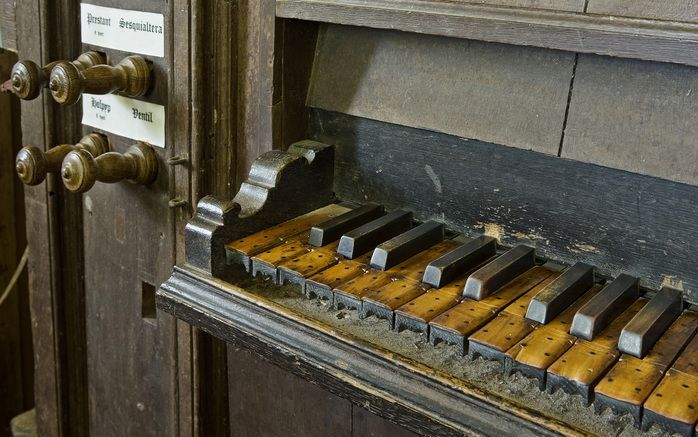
point(569, 211)
point(469, 89)
point(635, 116)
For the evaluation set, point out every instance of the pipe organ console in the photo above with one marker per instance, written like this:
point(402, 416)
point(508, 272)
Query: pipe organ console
point(467, 217)
point(604, 340)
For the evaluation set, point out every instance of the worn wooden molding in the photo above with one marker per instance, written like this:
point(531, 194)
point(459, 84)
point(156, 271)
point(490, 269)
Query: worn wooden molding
point(280, 186)
point(655, 40)
point(403, 391)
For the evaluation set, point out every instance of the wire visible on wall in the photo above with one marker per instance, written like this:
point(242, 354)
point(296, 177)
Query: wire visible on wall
point(15, 277)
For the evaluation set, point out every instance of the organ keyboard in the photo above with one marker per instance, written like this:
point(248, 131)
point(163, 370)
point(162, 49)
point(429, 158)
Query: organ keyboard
point(570, 328)
point(560, 325)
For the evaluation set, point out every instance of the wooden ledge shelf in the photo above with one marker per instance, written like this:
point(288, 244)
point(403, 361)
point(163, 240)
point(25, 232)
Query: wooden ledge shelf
point(654, 40)
point(421, 399)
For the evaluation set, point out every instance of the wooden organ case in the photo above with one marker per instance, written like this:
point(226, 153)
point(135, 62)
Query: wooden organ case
point(479, 218)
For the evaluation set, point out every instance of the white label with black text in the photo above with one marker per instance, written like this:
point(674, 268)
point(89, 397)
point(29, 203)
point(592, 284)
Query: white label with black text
point(130, 118)
point(123, 29)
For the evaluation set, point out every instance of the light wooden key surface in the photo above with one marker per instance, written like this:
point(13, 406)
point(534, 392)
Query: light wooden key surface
point(322, 283)
point(416, 314)
point(578, 369)
point(383, 301)
point(270, 237)
point(674, 403)
point(499, 335)
point(454, 325)
point(669, 345)
point(463, 318)
point(413, 268)
point(349, 294)
point(538, 350)
point(307, 264)
point(630, 380)
point(626, 386)
point(687, 362)
point(507, 329)
point(266, 262)
point(584, 363)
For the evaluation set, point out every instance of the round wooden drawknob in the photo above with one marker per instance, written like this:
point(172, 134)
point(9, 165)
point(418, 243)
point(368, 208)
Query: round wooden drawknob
point(130, 77)
point(80, 170)
point(27, 79)
point(33, 164)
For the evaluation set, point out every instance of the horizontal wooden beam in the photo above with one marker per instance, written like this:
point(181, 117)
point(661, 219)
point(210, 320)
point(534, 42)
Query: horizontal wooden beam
point(396, 388)
point(654, 40)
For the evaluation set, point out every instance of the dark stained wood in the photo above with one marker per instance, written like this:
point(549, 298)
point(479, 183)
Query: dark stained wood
point(129, 249)
point(493, 275)
point(255, 62)
point(645, 39)
point(54, 235)
point(16, 366)
point(366, 237)
point(268, 401)
point(569, 211)
point(635, 116)
point(604, 307)
point(332, 229)
point(366, 424)
point(640, 334)
point(673, 10)
point(471, 89)
point(342, 364)
point(569, 286)
point(445, 269)
point(407, 245)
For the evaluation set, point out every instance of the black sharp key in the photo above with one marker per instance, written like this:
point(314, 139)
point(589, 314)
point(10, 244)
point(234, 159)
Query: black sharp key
point(364, 238)
point(330, 230)
point(605, 306)
point(443, 270)
point(495, 274)
point(560, 293)
point(407, 244)
point(640, 334)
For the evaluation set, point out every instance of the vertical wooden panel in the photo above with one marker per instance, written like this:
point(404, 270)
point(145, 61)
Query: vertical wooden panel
point(638, 116)
point(268, 401)
point(490, 92)
point(132, 357)
point(8, 31)
point(16, 367)
point(256, 81)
